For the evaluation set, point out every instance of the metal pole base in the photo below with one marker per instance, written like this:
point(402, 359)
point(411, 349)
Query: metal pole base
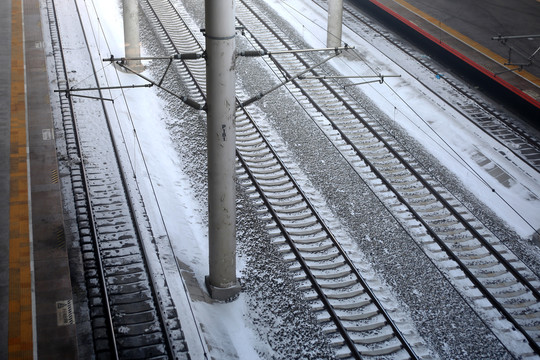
point(222, 294)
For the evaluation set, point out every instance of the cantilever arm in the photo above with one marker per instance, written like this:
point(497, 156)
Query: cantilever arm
point(186, 100)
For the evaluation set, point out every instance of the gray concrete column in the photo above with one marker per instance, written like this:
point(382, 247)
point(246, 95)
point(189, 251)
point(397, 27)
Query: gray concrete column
point(335, 21)
point(220, 79)
point(132, 41)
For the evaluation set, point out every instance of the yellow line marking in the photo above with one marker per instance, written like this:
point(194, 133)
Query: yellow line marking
point(468, 41)
point(20, 337)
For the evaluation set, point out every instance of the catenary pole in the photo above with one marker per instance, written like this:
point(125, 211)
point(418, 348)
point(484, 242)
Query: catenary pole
point(132, 43)
point(335, 20)
point(221, 282)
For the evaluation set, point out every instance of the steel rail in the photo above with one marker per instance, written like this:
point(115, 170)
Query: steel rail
point(160, 312)
point(424, 182)
point(305, 267)
point(339, 325)
point(532, 141)
point(86, 194)
point(126, 189)
point(406, 164)
point(200, 47)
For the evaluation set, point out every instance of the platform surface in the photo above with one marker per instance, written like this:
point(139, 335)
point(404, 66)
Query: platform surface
point(480, 20)
point(35, 284)
point(468, 26)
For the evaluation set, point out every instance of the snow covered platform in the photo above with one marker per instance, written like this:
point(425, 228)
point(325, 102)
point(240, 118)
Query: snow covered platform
point(35, 296)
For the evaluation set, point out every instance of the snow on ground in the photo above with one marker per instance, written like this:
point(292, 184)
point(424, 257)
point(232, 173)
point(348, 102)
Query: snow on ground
point(184, 218)
point(433, 123)
point(227, 331)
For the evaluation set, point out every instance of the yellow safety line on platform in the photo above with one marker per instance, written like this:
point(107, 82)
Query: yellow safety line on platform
point(20, 339)
point(468, 41)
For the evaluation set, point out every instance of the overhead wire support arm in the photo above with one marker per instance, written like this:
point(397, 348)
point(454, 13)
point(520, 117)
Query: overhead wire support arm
point(69, 92)
point(503, 39)
point(165, 73)
point(89, 97)
point(380, 78)
point(262, 94)
point(105, 88)
point(185, 56)
point(255, 53)
point(186, 100)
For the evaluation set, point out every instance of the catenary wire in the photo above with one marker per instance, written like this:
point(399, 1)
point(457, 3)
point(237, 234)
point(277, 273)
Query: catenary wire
point(448, 147)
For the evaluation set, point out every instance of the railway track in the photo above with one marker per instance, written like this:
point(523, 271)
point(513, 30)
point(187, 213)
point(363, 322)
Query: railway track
point(497, 125)
point(131, 316)
point(356, 324)
point(400, 181)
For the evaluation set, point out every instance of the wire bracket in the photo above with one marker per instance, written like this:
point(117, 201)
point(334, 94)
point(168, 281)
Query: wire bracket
point(380, 78)
point(186, 100)
point(185, 56)
point(529, 58)
point(69, 92)
point(256, 53)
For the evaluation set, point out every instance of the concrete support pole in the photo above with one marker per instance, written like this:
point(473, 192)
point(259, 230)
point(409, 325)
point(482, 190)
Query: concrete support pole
point(221, 282)
point(335, 21)
point(132, 41)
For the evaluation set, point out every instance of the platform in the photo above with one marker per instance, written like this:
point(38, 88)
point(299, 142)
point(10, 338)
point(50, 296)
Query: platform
point(467, 28)
point(35, 284)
